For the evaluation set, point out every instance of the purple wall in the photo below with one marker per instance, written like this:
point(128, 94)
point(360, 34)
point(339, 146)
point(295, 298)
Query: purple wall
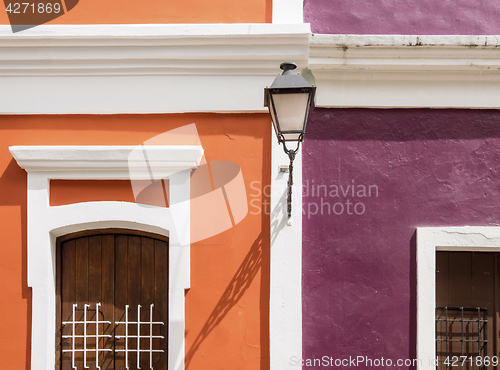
point(432, 168)
point(412, 17)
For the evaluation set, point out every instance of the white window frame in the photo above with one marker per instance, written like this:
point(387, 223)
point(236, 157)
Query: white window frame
point(46, 223)
point(430, 240)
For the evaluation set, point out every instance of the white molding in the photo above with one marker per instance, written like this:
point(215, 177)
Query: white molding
point(429, 240)
point(101, 69)
point(288, 11)
point(57, 69)
point(392, 71)
point(285, 306)
point(46, 223)
point(115, 161)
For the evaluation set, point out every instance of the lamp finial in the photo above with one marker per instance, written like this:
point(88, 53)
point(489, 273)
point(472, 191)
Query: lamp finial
point(288, 66)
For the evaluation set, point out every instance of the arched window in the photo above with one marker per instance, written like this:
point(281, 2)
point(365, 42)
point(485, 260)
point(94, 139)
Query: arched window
point(112, 300)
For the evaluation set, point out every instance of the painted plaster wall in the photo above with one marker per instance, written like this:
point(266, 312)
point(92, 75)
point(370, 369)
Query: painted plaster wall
point(407, 17)
point(159, 11)
point(227, 311)
point(431, 168)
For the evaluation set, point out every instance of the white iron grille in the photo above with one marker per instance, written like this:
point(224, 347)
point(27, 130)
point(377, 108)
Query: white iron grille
point(138, 337)
point(85, 337)
point(145, 340)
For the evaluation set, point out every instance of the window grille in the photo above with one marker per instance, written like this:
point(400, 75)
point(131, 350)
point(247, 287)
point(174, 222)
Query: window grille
point(148, 338)
point(87, 343)
point(85, 336)
point(461, 332)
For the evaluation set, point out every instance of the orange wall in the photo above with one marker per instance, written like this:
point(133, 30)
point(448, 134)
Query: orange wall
point(227, 306)
point(161, 11)
point(76, 191)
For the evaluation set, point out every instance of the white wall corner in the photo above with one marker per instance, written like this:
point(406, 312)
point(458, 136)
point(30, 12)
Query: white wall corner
point(402, 71)
point(286, 263)
point(288, 11)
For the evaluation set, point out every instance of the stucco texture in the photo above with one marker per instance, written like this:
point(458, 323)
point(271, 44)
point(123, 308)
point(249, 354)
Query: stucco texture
point(407, 17)
point(431, 168)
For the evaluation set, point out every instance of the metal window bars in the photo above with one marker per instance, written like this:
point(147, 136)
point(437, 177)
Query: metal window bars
point(146, 339)
point(85, 337)
point(138, 337)
point(461, 332)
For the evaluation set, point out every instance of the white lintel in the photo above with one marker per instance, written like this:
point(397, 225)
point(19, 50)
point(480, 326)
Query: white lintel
point(110, 161)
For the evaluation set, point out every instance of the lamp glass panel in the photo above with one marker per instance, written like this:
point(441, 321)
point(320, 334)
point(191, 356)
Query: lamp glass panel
point(273, 118)
point(291, 110)
point(291, 137)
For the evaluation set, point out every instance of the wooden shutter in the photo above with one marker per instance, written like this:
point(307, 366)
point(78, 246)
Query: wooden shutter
point(468, 306)
point(114, 269)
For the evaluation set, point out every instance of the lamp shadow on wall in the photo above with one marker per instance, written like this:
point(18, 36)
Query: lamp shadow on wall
point(279, 217)
point(13, 193)
point(237, 287)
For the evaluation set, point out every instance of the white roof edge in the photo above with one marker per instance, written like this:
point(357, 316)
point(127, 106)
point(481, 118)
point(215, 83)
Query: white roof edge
point(405, 71)
point(142, 69)
point(155, 30)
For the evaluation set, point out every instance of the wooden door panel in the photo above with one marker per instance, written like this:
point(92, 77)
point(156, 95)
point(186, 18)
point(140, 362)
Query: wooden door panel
point(460, 292)
point(107, 291)
point(484, 293)
point(121, 297)
point(117, 271)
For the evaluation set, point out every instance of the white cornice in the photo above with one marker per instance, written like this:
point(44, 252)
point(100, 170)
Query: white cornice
point(119, 162)
point(387, 71)
point(187, 50)
point(144, 68)
point(107, 69)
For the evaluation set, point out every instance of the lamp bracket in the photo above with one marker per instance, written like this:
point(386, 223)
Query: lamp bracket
point(284, 169)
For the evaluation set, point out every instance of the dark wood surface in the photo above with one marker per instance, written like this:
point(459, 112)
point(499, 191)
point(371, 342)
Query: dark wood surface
point(115, 269)
point(469, 279)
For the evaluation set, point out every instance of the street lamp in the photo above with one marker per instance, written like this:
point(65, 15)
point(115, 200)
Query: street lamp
point(288, 100)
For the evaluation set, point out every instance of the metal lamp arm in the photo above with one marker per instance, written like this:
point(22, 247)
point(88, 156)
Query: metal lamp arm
point(291, 155)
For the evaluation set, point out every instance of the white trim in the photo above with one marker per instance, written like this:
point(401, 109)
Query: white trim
point(126, 33)
point(285, 309)
point(429, 240)
point(288, 11)
point(57, 69)
point(406, 71)
point(115, 161)
point(46, 223)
